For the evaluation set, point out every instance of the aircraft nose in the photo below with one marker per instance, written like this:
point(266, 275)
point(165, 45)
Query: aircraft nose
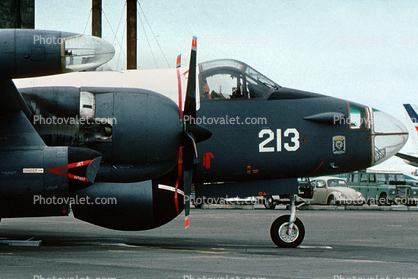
point(389, 136)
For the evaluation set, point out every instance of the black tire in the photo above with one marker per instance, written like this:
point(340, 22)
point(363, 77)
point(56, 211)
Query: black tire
point(331, 201)
point(383, 199)
point(279, 234)
point(269, 202)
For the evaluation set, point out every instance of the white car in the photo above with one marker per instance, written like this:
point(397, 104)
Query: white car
point(333, 190)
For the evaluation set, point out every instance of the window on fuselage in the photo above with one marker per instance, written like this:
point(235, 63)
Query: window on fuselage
point(359, 118)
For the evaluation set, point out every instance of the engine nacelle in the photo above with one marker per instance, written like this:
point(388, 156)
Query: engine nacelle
point(127, 206)
point(30, 53)
point(137, 131)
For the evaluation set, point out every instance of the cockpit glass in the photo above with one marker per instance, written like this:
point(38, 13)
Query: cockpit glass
point(231, 79)
point(222, 63)
point(389, 135)
point(222, 86)
point(261, 79)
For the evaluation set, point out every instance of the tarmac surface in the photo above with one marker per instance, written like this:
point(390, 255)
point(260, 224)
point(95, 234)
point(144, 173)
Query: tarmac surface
point(226, 243)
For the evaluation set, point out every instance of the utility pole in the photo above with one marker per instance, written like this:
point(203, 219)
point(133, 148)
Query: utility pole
point(131, 36)
point(17, 14)
point(96, 18)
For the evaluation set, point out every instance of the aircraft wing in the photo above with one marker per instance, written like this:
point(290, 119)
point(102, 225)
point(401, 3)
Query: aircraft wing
point(29, 168)
point(16, 131)
point(409, 159)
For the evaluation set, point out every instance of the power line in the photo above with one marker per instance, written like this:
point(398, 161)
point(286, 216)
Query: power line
point(168, 64)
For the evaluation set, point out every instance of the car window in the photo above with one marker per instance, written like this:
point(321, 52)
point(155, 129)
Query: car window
point(303, 179)
point(391, 177)
point(354, 177)
point(381, 178)
point(337, 183)
point(320, 183)
point(400, 177)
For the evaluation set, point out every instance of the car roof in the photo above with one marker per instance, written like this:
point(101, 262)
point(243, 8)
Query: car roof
point(379, 171)
point(326, 178)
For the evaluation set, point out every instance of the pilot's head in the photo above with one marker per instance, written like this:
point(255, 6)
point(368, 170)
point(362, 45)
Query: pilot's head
point(205, 86)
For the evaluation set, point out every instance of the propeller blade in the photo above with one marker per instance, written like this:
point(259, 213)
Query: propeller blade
point(190, 103)
point(190, 110)
point(190, 151)
point(178, 65)
point(192, 134)
point(180, 160)
point(187, 180)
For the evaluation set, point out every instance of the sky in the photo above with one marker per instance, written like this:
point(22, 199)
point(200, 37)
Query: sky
point(362, 51)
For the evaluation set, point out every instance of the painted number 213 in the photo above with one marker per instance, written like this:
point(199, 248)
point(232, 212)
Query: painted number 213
point(290, 133)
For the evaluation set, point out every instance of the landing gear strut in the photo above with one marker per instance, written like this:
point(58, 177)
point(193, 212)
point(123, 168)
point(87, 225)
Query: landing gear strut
point(287, 231)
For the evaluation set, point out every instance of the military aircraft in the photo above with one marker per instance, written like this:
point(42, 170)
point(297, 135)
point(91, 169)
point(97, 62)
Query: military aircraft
point(411, 111)
point(242, 135)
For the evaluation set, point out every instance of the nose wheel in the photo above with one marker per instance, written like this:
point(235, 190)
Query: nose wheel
point(283, 236)
point(287, 231)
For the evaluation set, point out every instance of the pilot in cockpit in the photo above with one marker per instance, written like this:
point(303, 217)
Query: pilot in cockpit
point(205, 92)
point(236, 93)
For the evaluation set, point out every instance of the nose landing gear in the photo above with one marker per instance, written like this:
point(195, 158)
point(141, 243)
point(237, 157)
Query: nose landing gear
point(287, 231)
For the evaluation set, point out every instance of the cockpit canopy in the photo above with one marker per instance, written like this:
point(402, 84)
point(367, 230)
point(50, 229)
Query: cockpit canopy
point(232, 79)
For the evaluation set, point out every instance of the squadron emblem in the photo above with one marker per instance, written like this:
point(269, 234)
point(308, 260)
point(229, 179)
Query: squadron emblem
point(338, 144)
